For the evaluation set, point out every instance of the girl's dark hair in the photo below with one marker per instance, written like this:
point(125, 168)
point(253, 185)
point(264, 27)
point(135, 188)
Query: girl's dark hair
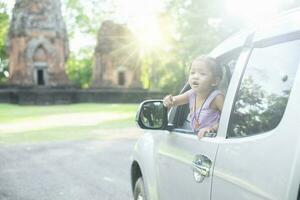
point(213, 64)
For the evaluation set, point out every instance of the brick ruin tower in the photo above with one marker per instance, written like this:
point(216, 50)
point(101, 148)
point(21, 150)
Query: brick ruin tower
point(116, 58)
point(38, 44)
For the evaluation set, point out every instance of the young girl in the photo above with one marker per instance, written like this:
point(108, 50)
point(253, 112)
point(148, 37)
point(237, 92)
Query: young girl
point(204, 100)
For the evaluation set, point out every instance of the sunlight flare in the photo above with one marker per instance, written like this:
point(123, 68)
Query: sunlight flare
point(142, 18)
point(150, 37)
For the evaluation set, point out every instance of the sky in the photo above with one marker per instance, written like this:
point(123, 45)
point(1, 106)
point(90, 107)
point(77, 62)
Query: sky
point(140, 16)
point(10, 3)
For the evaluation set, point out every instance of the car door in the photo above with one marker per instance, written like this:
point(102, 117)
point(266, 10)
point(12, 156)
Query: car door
point(176, 175)
point(255, 158)
point(185, 163)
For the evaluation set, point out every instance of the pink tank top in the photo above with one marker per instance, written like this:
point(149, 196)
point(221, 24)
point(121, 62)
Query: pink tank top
point(207, 117)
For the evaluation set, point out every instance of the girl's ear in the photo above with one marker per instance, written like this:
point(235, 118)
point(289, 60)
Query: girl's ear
point(216, 82)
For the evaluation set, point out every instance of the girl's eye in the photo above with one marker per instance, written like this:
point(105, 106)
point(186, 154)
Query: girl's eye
point(192, 72)
point(203, 74)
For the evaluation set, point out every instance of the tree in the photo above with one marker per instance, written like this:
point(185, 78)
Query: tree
point(191, 28)
point(83, 17)
point(79, 68)
point(4, 20)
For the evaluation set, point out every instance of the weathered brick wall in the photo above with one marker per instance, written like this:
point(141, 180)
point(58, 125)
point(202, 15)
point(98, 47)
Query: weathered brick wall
point(41, 96)
point(116, 51)
point(37, 41)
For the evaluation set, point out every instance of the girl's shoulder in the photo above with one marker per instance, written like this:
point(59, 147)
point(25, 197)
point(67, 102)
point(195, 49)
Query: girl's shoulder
point(190, 93)
point(214, 95)
point(217, 98)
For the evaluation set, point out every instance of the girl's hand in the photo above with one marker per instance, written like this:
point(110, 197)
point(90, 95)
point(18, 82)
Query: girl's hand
point(168, 101)
point(204, 131)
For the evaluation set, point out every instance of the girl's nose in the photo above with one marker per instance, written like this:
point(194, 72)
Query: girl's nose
point(195, 76)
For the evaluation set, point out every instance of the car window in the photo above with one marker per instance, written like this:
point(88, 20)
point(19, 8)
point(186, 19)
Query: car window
point(227, 63)
point(264, 90)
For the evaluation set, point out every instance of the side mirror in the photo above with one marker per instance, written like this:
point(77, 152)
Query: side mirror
point(152, 115)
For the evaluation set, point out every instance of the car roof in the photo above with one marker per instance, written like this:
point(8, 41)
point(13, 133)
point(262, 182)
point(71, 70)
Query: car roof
point(233, 42)
point(286, 23)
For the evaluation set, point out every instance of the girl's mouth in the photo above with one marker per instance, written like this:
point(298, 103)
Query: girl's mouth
point(195, 83)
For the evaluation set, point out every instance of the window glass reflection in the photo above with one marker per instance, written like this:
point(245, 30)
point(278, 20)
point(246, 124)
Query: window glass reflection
point(265, 89)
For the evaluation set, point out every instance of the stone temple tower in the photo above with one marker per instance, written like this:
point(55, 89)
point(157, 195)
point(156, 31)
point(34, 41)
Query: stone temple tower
point(38, 44)
point(116, 58)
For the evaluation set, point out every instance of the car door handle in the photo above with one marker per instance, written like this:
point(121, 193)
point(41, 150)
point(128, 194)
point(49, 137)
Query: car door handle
point(201, 166)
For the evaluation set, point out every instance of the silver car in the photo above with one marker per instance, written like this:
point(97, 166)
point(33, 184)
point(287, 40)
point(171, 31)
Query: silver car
point(256, 152)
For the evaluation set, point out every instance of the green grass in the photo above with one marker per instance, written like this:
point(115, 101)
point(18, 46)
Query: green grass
point(9, 112)
point(53, 123)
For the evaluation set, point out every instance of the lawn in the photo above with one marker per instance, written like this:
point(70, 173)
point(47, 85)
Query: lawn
point(20, 123)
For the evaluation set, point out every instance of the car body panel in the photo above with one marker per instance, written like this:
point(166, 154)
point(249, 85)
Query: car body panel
point(292, 121)
point(144, 155)
point(285, 24)
point(241, 167)
point(234, 42)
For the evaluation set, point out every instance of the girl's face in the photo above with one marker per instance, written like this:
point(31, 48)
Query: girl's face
point(201, 78)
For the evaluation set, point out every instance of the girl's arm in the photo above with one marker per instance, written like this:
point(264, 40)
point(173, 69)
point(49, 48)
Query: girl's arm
point(170, 101)
point(180, 99)
point(218, 103)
